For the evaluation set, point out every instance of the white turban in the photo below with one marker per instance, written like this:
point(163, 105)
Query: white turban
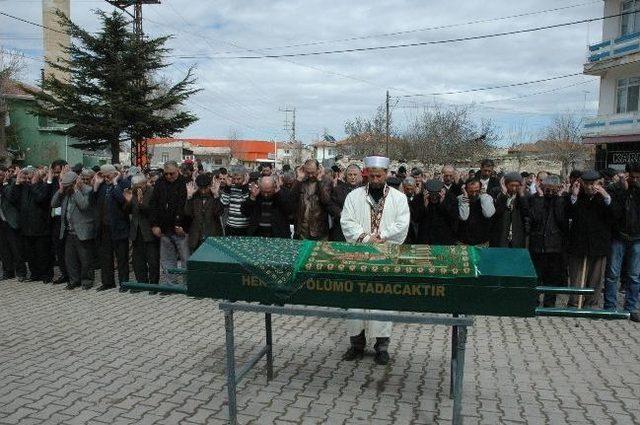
point(376, 162)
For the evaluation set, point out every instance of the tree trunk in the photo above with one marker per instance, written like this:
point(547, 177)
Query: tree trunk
point(115, 151)
point(3, 137)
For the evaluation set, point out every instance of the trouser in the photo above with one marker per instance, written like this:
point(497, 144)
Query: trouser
point(107, 250)
point(360, 329)
point(593, 268)
point(236, 231)
point(552, 271)
point(78, 260)
point(37, 251)
point(620, 249)
point(172, 247)
point(13, 243)
point(146, 260)
point(6, 256)
point(359, 342)
point(58, 246)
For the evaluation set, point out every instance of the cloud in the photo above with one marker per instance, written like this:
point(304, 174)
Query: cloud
point(328, 90)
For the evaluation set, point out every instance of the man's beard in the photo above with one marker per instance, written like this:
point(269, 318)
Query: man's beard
point(375, 185)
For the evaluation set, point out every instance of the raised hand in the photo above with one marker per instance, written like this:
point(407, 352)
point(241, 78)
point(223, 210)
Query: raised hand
point(128, 195)
point(191, 189)
point(215, 187)
point(503, 185)
point(157, 232)
point(254, 191)
point(575, 188)
point(539, 190)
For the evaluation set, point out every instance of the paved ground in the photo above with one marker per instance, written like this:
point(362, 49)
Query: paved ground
point(111, 358)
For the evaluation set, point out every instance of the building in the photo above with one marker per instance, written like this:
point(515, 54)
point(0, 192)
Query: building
point(325, 150)
point(615, 131)
point(292, 154)
point(213, 153)
point(34, 139)
point(53, 36)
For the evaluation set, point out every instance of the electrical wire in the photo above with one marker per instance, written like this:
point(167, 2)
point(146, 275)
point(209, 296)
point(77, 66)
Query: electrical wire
point(26, 21)
point(419, 43)
point(416, 30)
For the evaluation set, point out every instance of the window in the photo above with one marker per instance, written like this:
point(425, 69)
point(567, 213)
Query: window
point(630, 23)
point(165, 157)
point(217, 160)
point(627, 95)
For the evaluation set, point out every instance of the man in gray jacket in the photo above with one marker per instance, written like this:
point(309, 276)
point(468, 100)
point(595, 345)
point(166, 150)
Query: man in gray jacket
point(77, 228)
point(10, 253)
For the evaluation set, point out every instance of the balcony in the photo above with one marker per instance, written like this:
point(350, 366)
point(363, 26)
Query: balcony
point(610, 125)
point(619, 51)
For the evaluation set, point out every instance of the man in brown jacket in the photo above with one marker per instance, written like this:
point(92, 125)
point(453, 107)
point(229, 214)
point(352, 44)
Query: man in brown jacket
point(310, 197)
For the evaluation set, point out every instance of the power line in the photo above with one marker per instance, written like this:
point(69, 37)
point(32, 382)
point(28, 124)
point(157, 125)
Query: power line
point(416, 30)
point(417, 44)
point(26, 21)
point(491, 87)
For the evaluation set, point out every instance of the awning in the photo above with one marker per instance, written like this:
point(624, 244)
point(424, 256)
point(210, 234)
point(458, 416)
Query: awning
point(598, 140)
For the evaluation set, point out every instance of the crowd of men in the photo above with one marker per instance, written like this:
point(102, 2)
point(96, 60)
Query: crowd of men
point(582, 231)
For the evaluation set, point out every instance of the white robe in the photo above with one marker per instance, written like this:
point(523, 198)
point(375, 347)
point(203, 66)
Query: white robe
point(394, 225)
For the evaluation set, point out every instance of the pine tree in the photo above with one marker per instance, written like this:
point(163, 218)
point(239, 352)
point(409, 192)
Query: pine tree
point(112, 92)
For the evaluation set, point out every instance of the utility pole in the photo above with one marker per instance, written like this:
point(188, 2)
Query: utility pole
point(387, 124)
point(139, 148)
point(291, 128)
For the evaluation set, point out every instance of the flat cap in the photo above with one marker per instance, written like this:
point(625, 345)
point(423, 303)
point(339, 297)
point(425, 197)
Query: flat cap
point(434, 185)
point(512, 177)
point(551, 181)
point(591, 175)
point(107, 168)
point(203, 180)
point(68, 178)
point(394, 182)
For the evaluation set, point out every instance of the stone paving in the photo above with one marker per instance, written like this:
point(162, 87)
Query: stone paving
point(87, 357)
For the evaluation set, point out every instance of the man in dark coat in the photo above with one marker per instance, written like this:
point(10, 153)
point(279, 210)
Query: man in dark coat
point(510, 222)
point(475, 210)
point(352, 180)
point(625, 242)
point(490, 183)
point(436, 215)
point(548, 235)
point(112, 226)
point(589, 236)
point(31, 196)
point(58, 245)
point(10, 252)
point(145, 245)
point(168, 220)
point(267, 210)
point(203, 209)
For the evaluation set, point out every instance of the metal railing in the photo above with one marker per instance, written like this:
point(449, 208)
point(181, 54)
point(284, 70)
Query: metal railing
point(617, 47)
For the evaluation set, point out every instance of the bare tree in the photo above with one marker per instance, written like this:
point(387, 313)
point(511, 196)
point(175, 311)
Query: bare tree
point(440, 135)
point(365, 136)
point(562, 142)
point(10, 66)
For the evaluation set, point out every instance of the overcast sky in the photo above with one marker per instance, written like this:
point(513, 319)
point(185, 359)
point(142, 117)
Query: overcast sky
point(245, 95)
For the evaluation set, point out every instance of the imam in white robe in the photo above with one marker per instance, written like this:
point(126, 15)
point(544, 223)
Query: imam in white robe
point(394, 225)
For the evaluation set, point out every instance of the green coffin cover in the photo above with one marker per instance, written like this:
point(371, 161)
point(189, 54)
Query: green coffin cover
point(421, 278)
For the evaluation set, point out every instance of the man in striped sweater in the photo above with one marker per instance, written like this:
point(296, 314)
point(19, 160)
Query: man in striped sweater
point(232, 197)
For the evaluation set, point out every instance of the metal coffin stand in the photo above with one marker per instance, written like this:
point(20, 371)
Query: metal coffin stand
point(458, 342)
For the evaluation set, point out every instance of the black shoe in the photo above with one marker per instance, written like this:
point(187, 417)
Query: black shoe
point(22, 279)
point(381, 358)
point(635, 316)
point(85, 287)
point(61, 280)
point(353, 353)
point(47, 280)
point(153, 292)
point(7, 276)
point(71, 286)
point(104, 288)
point(121, 289)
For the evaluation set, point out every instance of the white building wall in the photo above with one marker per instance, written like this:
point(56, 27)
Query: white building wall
point(611, 27)
point(608, 83)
